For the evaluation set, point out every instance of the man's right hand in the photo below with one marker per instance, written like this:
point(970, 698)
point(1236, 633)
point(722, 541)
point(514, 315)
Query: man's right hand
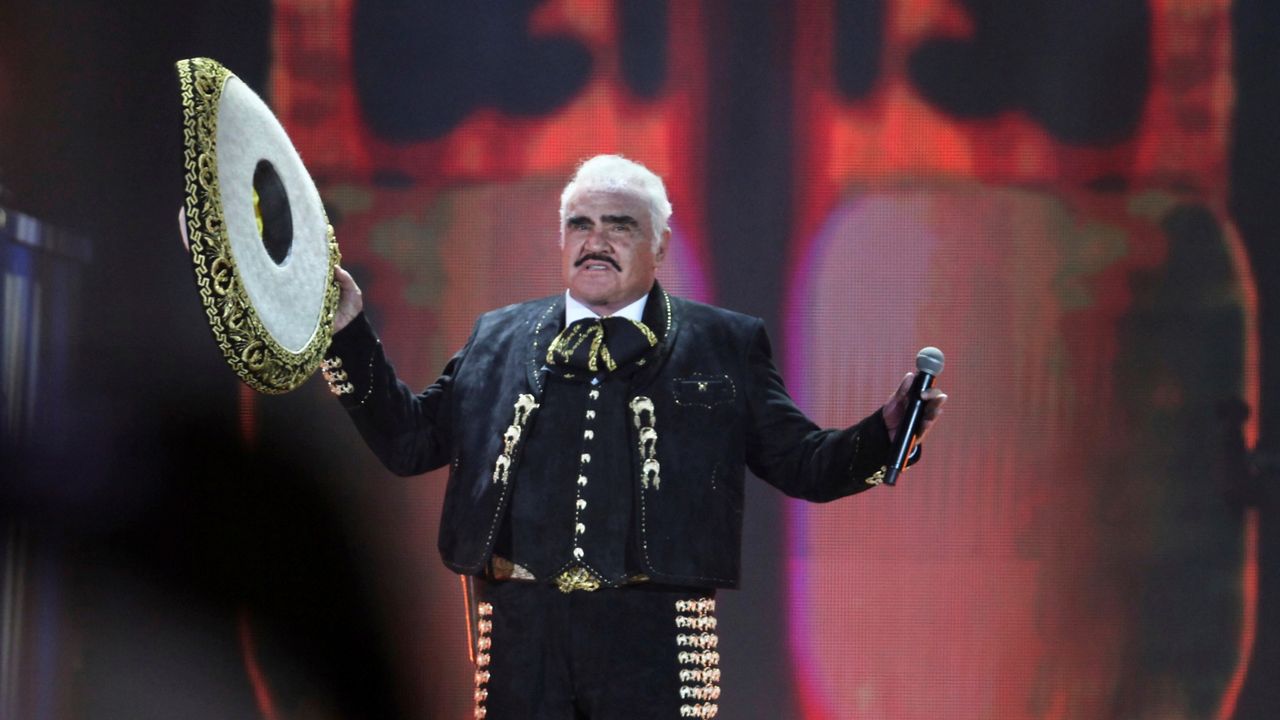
point(350, 299)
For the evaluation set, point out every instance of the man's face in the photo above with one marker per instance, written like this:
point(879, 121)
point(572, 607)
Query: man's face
point(608, 258)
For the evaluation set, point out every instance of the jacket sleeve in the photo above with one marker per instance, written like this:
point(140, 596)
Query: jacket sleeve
point(409, 432)
point(786, 449)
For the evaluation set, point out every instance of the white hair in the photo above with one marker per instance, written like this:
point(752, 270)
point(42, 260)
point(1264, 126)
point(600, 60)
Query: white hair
point(615, 173)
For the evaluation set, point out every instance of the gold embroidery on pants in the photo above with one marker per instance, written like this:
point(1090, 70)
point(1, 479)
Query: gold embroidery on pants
point(700, 681)
point(484, 642)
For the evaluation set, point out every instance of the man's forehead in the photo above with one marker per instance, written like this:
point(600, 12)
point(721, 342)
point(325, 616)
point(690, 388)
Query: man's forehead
point(607, 201)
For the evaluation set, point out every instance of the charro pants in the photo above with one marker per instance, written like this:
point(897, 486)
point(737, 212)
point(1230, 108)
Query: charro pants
point(639, 652)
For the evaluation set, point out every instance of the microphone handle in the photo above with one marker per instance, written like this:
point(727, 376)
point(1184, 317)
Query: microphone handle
point(909, 429)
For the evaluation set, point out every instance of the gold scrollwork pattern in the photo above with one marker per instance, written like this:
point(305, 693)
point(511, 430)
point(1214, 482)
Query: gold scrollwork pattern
point(249, 349)
point(524, 407)
point(484, 643)
point(646, 421)
point(699, 660)
point(571, 338)
point(577, 578)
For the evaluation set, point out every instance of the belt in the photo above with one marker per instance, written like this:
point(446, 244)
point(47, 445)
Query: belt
point(575, 578)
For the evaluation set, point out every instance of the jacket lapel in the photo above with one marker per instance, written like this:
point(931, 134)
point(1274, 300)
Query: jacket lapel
point(661, 314)
point(543, 328)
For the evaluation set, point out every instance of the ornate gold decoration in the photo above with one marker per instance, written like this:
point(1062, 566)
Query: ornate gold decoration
point(700, 682)
point(484, 642)
point(702, 641)
point(650, 474)
point(877, 477)
point(567, 342)
point(577, 578)
point(335, 376)
point(645, 419)
point(572, 337)
point(701, 606)
point(640, 405)
point(524, 407)
point(262, 362)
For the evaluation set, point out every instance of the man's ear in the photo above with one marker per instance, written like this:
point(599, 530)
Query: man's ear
point(661, 252)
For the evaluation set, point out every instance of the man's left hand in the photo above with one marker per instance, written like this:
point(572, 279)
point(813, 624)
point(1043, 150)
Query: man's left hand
point(895, 410)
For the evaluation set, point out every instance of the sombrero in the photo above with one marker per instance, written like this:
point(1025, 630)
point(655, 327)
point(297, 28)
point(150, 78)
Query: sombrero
point(261, 244)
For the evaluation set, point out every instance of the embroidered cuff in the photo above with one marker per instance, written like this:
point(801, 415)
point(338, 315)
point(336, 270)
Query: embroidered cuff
point(882, 437)
point(347, 366)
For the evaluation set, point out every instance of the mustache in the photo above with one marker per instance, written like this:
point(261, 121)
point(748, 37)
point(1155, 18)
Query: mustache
point(597, 256)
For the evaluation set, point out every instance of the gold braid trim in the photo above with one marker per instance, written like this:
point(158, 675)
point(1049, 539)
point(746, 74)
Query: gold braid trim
point(571, 338)
point(648, 332)
point(597, 345)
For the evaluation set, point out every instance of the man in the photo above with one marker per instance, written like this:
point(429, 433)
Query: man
point(597, 442)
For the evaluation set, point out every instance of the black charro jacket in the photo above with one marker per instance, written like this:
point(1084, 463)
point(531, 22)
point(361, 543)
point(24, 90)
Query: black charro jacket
point(718, 406)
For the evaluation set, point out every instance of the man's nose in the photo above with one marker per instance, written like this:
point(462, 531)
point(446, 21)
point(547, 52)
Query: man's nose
point(596, 240)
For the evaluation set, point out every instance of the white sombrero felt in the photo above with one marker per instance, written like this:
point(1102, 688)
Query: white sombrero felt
point(261, 245)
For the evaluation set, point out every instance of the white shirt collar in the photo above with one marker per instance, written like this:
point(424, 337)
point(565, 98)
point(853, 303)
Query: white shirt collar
point(574, 310)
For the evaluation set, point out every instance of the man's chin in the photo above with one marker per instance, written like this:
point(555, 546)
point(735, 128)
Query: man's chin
point(602, 289)
point(594, 297)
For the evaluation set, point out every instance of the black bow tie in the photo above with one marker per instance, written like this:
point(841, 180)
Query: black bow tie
point(595, 344)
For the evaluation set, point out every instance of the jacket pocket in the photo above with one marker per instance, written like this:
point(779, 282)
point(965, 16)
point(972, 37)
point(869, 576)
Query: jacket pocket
point(706, 391)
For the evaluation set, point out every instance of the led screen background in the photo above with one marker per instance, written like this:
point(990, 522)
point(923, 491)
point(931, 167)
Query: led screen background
point(1072, 200)
point(1075, 553)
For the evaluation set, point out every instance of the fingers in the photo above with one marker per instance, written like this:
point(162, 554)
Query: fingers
point(904, 387)
point(347, 284)
point(350, 299)
point(934, 399)
point(897, 402)
point(895, 407)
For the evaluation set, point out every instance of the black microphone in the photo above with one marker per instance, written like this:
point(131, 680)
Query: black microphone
point(928, 366)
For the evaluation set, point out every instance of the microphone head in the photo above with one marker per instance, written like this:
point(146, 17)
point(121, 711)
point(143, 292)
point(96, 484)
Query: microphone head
point(930, 360)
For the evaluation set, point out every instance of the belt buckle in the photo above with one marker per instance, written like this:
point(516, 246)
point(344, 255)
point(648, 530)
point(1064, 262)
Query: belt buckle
point(577, 578)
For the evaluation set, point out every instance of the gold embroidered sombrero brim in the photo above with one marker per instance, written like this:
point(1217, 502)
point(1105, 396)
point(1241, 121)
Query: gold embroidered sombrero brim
point(261, 244)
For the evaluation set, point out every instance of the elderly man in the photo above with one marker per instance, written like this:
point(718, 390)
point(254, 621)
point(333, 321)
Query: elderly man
point(597, 442)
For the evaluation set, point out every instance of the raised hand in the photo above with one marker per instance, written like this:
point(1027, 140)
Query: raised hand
point(350, 299)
